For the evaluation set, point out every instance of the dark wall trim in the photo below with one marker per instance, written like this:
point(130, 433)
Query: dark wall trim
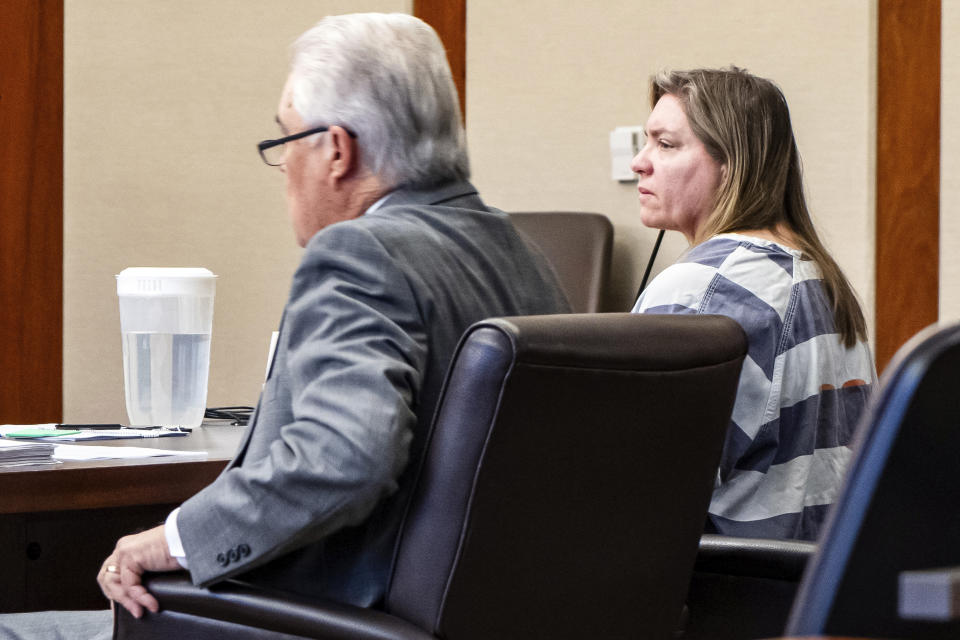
point(449, 19)
point(908, 172)
point(31, 210)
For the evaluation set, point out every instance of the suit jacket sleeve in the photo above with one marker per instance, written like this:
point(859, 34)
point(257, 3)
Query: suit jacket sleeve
point(350, 359)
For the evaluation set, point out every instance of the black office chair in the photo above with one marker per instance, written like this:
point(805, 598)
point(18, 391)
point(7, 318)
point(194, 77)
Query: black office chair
point(562, 493)
point(579, 246)
point(898, 510)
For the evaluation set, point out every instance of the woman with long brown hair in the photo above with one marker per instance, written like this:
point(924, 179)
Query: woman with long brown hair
point(720, 164)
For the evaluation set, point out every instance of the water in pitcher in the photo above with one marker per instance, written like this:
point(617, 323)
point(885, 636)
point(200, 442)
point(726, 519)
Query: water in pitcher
point(165, 377)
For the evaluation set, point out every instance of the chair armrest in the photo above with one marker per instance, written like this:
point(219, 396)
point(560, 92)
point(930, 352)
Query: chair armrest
point(262, 610)
point(753, 557)
point(743, 587)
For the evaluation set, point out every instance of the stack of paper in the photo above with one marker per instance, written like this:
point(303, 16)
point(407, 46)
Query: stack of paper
point(21, 453)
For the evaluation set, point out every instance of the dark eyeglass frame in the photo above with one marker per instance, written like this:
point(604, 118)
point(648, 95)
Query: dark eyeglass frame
point(263, 145)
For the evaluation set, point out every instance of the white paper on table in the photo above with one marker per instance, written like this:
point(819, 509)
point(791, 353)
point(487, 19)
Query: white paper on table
point(6, 428)
point(28, 463)
point(79, 453)
point(22, 445)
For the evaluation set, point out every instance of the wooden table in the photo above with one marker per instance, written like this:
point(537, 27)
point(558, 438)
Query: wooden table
point(58, 523)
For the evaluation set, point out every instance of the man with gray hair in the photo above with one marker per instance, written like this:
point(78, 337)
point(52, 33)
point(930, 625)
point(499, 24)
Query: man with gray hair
point(401, 256)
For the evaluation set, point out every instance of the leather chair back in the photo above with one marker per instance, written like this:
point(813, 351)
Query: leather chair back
point(566, 481)
point(578, 246)
point(562, 493)
point(898, 508)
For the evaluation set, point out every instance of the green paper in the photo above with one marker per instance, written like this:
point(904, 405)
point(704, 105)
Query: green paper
point(39, 433)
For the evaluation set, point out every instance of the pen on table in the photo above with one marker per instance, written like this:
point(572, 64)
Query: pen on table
point(74, 427)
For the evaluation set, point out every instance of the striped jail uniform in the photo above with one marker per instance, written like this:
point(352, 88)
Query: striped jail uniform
point(801, 392)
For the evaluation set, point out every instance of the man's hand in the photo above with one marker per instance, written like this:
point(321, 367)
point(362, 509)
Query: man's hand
point(120, 574)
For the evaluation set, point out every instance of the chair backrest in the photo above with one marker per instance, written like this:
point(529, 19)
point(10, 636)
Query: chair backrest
point(566, 480)
point(898, 509)
point(578, 245)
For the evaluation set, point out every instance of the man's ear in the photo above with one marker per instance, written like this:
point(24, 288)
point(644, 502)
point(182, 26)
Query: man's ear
point(342, 153)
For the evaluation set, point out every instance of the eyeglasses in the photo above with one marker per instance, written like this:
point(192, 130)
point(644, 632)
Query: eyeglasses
point(271, 151)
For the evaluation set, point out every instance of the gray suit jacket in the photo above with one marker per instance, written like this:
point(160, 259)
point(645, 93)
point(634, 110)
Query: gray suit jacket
point(313, 500)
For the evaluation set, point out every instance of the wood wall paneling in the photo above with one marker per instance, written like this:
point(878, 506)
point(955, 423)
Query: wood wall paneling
point(908, 172)
point(31, 210)
point(449, 19)
point(31, 140)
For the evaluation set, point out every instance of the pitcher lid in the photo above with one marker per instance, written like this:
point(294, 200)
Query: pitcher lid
point(170, 281)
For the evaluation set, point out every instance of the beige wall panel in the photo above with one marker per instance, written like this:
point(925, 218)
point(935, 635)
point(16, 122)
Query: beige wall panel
point(164, 104)
point(547, 82)
point(950, 162)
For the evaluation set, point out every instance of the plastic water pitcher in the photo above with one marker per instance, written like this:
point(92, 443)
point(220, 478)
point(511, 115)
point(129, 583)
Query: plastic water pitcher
point(166, 317)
